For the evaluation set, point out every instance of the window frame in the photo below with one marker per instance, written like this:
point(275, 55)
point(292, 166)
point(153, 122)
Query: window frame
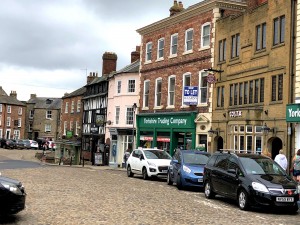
point(188, 46)
point(205, 36)
point(160, 48)
point(158, 85)
point(235, 46)
point(131, 86)
point(149, 49)
point(202, 87)
point(279, 30)
point(146, 95)
point(171, 91)
point(174, 45)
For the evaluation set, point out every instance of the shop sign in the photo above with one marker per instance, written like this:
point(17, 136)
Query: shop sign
point(69, 134)
point(190, 95)
point(293, 113)
point(145, 138)
point(163, 139)
point(94, 129)
point(235, 113)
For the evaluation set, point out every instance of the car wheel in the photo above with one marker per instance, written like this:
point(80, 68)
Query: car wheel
point(169, 179)
point(145, 174)
point(243, 200)
point(179, 182)
point(208, 190)
point(129, 173)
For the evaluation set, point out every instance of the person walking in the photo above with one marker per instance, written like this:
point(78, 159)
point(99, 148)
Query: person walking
point(281, 160)
point(296, 166)
point(126, 156)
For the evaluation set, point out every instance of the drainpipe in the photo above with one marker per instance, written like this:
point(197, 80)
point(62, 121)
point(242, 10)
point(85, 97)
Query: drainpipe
point(291, 137)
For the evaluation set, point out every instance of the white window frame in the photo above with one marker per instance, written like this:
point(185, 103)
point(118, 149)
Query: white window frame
point(30, 127)
point(119, 86)
point(19, 122)
point(0, 121)
point(249, 129)
point(49, 114)
point(261, 141)
point(7, 133)
point(202, 77)
point(117, 114)
point(0, 107)
point(16, 134)
point(47, 127)
point(31, 113)
point(158, 92)
point(148, 56)
point(8, 109)
point(160, 48)
point(76, 127)
point(1, 133)
point(65, 127)
point(78, 105)
point(184, 83)
point(20, 111)
point(187, 41)
point(146, 95)
point(131, 86)
point(173, 44)
point(72, 106)
point(205, 36)
point(8, 121)
point(129, 115)
point(251, 148)
point(240, 149)
point(71, 125)
point(67, 107)
point(171, 92)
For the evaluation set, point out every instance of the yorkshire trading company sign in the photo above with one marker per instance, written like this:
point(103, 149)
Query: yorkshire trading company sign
point(293, 113)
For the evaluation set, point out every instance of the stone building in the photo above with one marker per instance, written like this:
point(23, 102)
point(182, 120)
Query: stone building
point(12, 116)
point(254, 81)
point(175, 107)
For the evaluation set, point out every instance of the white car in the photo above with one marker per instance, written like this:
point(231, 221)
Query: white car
point(149, 162)
point(34, 144)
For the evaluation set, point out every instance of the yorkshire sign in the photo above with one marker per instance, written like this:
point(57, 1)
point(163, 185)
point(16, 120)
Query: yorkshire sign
point(293, 113)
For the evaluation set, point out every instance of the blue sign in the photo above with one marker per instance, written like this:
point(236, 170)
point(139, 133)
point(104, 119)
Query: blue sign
point(114, 150)
point(190, 95)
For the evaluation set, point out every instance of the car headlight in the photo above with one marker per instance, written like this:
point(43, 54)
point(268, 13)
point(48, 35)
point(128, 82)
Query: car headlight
point(11, 187)
point(298, 189)
point(151, 164)
point(186, 169)
point(260, 187)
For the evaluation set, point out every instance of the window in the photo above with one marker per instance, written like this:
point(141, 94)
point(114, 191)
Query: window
point(78, 105)
point(235, 95)
point(205, 35)
point(119, 85)
point(131, 86)
point(279, 29)
point(30, 127)
point(0, 107)
point(231, 95)
point(174, 44)
point(235, 46)
point(251, 92)
point(203, 88)
point(262, 89)
point(19, 122)
point(220, 97)
point(20, 111)
point(1, 133)
point(146, 93)
point(240, 93)
point(49, 114)
point(161, 46)
point(47, 127)
point(277, 87)
point(71, 125)
point(189, 40)
point(129, 116)
point(171, 93)
point(186, 82)
point(65, 127)
point(117, 114)
point(72, 107)
point(0, 123)
point(8, 122)
point(158, 92)
point(76, 128)
point(245, 92)
point(8, 109)
point(261, 34)
point(222, 50)
point(67, 107)
point(148, 51)
point(16, 134)
point(31, 113)
point(249, 143)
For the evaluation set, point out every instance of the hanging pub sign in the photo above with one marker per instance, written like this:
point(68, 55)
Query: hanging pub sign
point(99, 120)
point(190, 95)
point(94, 129)
point(211, 78)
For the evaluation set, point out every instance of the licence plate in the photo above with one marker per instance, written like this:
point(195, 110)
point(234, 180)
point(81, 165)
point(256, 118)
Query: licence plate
point(164, 171)
point(284, 199)
point(200, 180)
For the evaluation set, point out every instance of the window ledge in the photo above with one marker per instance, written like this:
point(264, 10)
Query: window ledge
point(147, 62)
point(184, 106)
point(158, 107)
point(187, 52)
point(160, 59)
point(170, 107)
point(145, 108)
point(172, 56)
point(204, 48)
point(202, 105)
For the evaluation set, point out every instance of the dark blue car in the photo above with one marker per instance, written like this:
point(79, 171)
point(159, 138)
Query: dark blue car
point(186, 168)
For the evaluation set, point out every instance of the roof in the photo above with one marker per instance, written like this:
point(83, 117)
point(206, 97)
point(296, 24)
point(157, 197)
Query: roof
point(131, 68)
point(2, 92)
point(42, 103)
point(97, 80)
point(4, 99)
point(75, 93)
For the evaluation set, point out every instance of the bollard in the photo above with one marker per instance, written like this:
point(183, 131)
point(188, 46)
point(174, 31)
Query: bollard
point(60, 160)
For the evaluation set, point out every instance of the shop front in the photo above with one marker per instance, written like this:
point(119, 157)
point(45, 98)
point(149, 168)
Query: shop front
point(167, 131)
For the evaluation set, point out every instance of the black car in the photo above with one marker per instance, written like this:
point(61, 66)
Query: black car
point(251, 179)
point(7, 143)
point(27, 144)
point(19, 144)
point(12, 196)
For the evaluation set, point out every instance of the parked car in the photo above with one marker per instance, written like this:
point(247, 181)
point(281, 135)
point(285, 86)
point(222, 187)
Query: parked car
point(2, 142)
point(149, 162)
point(186, 168)
point(27, 144)
point(12, 196)
point(19, 144)
point(34, 144)
point(251, 180)
point(51, 145)
point(8, 143)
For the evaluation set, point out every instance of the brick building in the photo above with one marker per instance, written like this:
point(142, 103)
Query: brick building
point(12, 116)
point(175, 100)
point(254, 52)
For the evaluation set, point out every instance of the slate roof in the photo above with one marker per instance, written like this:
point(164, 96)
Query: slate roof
point(131, 68)
point(41, 103)
point(78, 92)
point(98, 80)
point(5, 99)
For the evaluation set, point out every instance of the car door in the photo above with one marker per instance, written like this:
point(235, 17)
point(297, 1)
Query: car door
point(218, 173)
point(139, 161)
point(176, 165)
point(133, 160)
point(231, 179)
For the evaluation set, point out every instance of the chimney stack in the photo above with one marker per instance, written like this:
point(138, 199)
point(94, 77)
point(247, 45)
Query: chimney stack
point(135, 55)
point(91, 77)
point(32, 96)
point(176, 8)
point(13, 94)
point(109, 62)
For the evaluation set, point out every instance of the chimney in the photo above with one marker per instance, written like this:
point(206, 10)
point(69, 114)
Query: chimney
point(135, 55)
point(91, 77)
point(109, 62)
point(32, 96)
point(176, 8)
point(13, 94)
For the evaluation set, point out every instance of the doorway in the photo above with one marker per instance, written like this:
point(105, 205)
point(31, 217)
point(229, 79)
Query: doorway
point(276, 145)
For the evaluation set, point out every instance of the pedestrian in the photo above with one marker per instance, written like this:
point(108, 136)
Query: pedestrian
point(295, 168)
point(126, 156)
point(281, 159)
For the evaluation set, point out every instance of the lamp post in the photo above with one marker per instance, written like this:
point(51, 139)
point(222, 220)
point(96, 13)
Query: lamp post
point(134, 106)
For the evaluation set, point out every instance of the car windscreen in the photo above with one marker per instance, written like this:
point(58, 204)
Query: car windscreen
point(197, 159)
point(156, 154)
point(261, 166)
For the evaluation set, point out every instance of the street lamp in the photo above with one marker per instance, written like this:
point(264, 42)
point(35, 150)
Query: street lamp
point(134, 106)
point(211, 132)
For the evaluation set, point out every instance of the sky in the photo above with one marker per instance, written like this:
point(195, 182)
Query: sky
point(48, 47)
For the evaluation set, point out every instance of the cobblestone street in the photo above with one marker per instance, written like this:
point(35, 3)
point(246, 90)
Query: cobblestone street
point(100, 195)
